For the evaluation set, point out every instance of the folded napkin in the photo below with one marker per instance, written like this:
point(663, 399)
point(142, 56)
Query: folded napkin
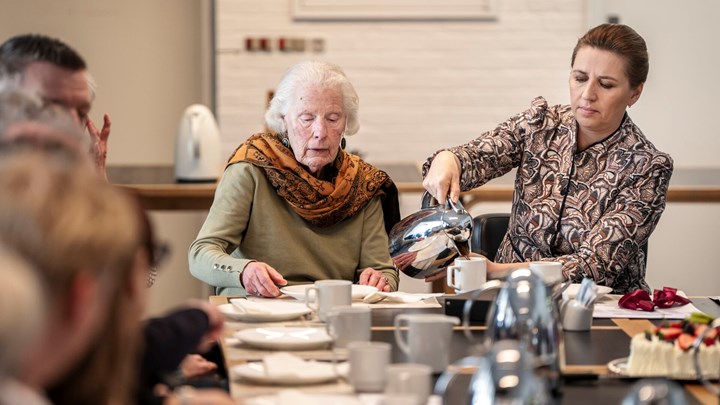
point(400, 296)
point(285, 365)
point(640, 299)
point(265, 306)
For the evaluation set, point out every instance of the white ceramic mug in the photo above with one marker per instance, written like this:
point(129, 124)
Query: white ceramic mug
point(348, 324)
point(550, 272)
point(467, 274)
point(328, 295)
point(428, 338)
point(368, 365)
point(409, 379)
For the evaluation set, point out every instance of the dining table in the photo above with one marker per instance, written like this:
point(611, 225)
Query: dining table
point(586, 378)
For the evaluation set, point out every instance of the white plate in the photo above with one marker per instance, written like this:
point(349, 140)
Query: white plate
point(573, 289)
point(278, 314)
point(295, 396)
point(298, 291)
point(321, 372)
point(285, 338)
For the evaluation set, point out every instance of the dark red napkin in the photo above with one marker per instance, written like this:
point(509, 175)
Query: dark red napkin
point(640, 299)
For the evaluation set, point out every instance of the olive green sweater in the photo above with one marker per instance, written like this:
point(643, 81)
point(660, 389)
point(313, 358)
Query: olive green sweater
point(249, 222)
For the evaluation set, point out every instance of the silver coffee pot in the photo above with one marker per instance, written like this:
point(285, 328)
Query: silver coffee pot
point(504, 376)
point(427, 241)
point(523, 310)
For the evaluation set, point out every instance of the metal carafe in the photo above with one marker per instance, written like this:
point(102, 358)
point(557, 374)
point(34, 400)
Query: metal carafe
point(525, 311)
point(504, 375)
point(427, 241)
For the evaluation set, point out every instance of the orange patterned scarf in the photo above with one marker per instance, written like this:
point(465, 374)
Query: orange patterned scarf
point(322, 203)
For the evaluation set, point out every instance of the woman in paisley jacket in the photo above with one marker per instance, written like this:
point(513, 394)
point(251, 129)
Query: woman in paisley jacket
point(590, 187)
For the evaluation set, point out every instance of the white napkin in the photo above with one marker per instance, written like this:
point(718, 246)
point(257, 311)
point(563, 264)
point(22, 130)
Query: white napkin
point(266, 305)
point(404, 297)
point(285, 365)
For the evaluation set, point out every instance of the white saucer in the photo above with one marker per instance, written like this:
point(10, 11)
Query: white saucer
point(278, 313)
point(573, 289)
point(317, 372)
point(285, 338)
point(358, 291)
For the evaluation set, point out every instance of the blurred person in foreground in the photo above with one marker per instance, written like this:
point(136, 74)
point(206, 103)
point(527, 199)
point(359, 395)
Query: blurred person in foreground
point(22, 315)
point(85, 240)
point(56, 73)
point(78, 233)
point(292, 206)
point(590, 187)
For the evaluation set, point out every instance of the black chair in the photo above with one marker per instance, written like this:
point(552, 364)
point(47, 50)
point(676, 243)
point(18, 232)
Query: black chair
point(488, 231)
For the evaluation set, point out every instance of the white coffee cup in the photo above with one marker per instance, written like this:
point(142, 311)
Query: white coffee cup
point(550, 272)
point(467, 274)
point(428, 338)
point(329, 294)
point(348, 324)
point(409, 379)
point(368, 365)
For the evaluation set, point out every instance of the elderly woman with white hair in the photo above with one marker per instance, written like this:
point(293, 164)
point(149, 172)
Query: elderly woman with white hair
point(293, 206)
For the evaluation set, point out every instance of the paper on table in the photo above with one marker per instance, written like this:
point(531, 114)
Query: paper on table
point(608, 308)
point(405, 297)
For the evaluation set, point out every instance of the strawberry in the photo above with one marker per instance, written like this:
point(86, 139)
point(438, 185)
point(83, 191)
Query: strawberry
point(677, 324)
point(710, 335)
point(686, 341)
point(669, 334)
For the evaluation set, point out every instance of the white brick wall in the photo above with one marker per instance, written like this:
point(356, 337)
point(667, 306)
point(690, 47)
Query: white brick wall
point(423, 85)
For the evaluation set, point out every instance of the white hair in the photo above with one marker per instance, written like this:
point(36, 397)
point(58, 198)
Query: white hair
point(315, 74)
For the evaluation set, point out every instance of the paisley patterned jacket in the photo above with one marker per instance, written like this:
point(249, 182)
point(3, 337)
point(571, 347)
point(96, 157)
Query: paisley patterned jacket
point(592, 210)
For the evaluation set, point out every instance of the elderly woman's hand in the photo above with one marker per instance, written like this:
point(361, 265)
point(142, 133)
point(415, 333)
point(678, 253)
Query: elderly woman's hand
point(374, 278)
point(443, 177)
point(261, 279)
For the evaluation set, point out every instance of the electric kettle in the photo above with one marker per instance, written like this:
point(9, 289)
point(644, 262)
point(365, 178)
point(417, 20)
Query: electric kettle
point(197, 148)
point(427, 241)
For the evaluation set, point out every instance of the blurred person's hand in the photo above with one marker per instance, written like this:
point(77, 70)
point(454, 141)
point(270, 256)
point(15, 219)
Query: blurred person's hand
point(216, 322)
point(99, 139)
point(195, 365)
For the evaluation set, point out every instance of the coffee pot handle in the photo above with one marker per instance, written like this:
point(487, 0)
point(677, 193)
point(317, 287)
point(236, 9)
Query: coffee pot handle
point(490, 285)
point(428, 200)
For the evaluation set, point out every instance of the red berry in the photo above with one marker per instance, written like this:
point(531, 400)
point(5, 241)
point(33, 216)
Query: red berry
point(669, 333)
point(686, 341)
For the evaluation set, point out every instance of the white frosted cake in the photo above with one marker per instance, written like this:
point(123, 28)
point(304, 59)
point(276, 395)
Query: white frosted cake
point(667, 351)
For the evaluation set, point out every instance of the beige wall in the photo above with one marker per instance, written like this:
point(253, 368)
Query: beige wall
point(146, 57)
